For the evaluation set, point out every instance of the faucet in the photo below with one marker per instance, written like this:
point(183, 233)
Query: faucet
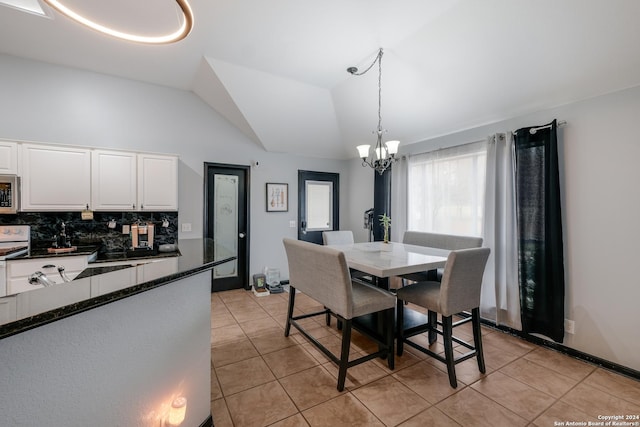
point(63, 274)
point(39, 278)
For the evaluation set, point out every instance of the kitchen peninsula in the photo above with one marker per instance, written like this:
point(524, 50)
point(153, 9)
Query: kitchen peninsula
point(140, 339)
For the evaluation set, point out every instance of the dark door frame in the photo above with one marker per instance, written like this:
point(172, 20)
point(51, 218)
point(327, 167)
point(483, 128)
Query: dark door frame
point(244, 274)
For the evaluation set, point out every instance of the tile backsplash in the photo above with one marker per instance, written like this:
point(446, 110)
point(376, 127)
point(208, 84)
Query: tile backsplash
point(45, 226)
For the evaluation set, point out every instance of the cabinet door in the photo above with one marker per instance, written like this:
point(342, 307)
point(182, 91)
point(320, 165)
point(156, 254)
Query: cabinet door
point(113, 184)
point(55, 178)
point(157, 182)
point(8, 158)
point(7, 310)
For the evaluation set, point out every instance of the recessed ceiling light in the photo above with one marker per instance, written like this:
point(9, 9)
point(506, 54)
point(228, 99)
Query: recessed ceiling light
point(185, 24)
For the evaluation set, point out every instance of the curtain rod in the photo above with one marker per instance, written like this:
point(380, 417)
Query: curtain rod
point(534, 130)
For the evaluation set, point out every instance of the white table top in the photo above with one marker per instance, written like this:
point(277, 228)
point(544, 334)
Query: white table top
point(392, 259)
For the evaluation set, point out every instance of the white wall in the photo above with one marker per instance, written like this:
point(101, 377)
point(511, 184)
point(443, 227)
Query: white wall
point(84, 371)
point(599, 154)
point(46, 103)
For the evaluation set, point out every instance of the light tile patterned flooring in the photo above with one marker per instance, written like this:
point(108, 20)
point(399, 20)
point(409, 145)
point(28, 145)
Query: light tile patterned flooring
point(261, 378)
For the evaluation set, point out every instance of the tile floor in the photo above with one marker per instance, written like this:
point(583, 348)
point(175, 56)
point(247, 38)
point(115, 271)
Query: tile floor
point(261, 378)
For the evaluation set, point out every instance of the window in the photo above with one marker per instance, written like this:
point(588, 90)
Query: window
point(446, 190)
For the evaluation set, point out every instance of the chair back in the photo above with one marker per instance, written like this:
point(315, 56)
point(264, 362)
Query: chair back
point(322, 274)
point(450, 242)
point(339, 237)
point(462, 280)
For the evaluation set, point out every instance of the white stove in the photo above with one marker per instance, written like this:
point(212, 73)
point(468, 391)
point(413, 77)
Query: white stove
point(15, 240)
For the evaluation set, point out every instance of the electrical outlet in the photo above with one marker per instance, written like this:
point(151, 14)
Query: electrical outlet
point(186, 227)
point(569, 326)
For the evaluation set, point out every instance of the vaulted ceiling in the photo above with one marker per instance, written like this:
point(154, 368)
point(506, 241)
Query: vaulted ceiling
point(277, 69)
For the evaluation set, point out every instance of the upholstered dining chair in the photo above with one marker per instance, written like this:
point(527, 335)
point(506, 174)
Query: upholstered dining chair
point(322, 274)
point(345, 237)
point(449, 242)
point(337, 237)
point(459, 291)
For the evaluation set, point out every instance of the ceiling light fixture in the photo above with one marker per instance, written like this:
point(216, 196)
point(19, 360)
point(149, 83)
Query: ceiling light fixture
point(384, 153)
point(177, 35)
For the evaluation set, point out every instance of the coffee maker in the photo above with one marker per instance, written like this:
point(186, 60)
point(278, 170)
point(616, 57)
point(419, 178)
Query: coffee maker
point(142, 236)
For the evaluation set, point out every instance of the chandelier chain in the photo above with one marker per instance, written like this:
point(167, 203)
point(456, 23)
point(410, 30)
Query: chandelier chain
point(380, 91)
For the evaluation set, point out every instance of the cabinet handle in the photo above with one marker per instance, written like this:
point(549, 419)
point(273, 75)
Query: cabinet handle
point(48, 266)
point(141, 206)
point(87, 206)
point(134, 206)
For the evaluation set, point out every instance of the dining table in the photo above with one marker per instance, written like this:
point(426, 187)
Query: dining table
point(382, 261)
point(385, 260)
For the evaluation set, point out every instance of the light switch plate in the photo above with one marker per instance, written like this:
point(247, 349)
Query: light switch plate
point(186, 226)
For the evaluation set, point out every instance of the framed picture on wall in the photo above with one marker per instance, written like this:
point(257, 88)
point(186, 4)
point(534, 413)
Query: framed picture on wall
point(277, 197)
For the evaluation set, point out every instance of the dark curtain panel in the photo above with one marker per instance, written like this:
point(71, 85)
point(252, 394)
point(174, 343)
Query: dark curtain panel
point(540, 249)
point(381, 202)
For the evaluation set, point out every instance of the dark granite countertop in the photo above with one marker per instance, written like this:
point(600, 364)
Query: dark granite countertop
point(130, 256)
point(43, 253)
point(66, 299)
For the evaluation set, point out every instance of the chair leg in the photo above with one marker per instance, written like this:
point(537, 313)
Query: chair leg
point(292, 299)
point(344, 354)
point(328, 318)
point(447, 333)
point(400, 327)
point(389, 315)
point(477, 338)
point(432, 317)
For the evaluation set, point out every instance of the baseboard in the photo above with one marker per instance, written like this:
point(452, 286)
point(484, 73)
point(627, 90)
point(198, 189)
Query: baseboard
point(624, 370)
point(208, 422)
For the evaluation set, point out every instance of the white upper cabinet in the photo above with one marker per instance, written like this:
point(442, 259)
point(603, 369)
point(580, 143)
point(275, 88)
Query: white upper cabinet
point(8, 158)
point(157, 182)
point(113, 183)
point(55, 178)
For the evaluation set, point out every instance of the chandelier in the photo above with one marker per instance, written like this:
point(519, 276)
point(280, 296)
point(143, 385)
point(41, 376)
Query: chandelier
point(384, 153)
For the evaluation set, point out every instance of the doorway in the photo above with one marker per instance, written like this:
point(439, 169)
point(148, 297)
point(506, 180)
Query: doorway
point(226, 210)
point(318, 204)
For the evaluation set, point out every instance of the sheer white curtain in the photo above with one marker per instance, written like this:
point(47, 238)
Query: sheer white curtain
point(446, 190)
point(500, 299)
point(399, 199)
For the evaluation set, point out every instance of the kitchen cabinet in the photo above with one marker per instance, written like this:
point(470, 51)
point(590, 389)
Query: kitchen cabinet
point(157, 268)
point(157, 182)
point(113, 180)
point(55, 178)
point(7, 309)
point(19, 270)
point(114, 281)
point(31, 303)
point(8, 158)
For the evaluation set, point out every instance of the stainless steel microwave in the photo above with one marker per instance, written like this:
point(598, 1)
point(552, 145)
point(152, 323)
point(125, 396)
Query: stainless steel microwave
point(9, 194)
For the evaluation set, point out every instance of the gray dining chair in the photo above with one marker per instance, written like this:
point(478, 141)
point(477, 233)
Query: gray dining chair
point(337, 237)
point(459, 291)
point(322, 274)
point(345, 237)
point(449, 242)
